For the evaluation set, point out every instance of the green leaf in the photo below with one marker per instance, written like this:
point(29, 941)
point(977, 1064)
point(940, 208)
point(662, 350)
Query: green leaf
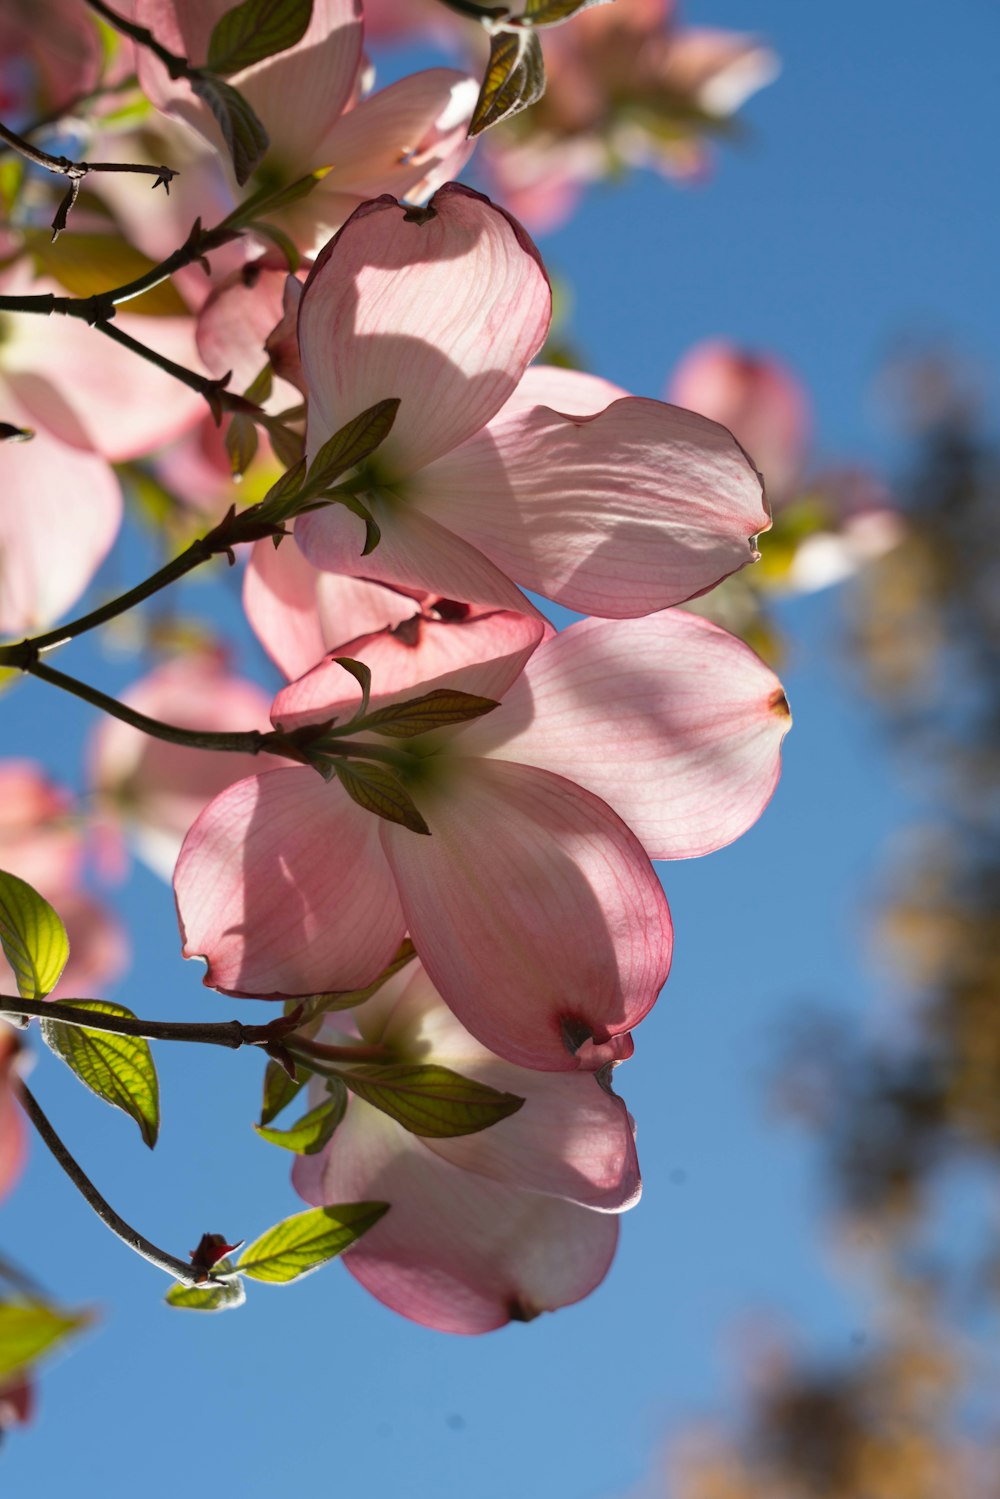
point(93, 263)
point(342, 999)
point(354, 442)
point(422, 715)
point(245, 137)
point(29, 1329)
point(214, 1296)
point(277, 505)
point(254, 30)
point(310, 1133)
point(118, 1069)
point(378, 790)
point(288, 446)
point(302, 1243)
point(515, 78)
point(430, 1100)
point(372, 533)
point(241, 443)
point(279, 1090)
point(33, 938)
point(270, 200)
point(363, 676)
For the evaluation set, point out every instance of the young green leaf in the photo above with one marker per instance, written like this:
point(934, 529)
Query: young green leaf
point(352, 444)
point(514, 79)
point(430, 1100)
point(422, 715)
point(254, 30)
point(214, 1296)
point(307, 1240)
point(245, 137)
point(241, 443)
point(118, 1069)
point(375, 788)
point(363, 676)
point(279, 1090)
point(29, 1329)
point(310, 1133)
point(93, 261)
point(551, 12)
point(33, 938)
point(269, 200)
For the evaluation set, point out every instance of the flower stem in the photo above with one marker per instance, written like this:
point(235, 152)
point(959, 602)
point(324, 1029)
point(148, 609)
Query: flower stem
point(168, 1263)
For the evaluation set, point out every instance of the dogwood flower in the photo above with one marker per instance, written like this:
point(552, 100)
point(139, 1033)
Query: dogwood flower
point(506, 1223)
point(617, 513)
point(406, 138)
point(532, 903)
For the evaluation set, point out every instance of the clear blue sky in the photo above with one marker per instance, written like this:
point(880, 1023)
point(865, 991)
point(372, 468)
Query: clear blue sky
point(861, 210)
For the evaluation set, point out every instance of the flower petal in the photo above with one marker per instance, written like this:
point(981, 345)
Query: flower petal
point(536, 913)
point(639, 507)
point(415, 553)
point(571, 1138)
point(282, 888)
point(672, 721)
point(299, 613)
point(454, 1251)
point(482, 654)
point(441, 307)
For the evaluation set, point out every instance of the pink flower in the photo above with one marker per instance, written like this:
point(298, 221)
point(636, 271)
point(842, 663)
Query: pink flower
point(618, 513)
point(533, 903)
point(487, 1227)
point(406, 138)
point(157, 789)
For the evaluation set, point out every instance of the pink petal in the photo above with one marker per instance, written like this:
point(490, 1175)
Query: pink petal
point(299, 613)
point(618, 514)
point(757, 398)
point(535, 911)
point(571, 1138)
point(94, 394)
point(672, 721)
point(573, 392)
point(282, 888)
point(238, 318)
point(482, 654)
point(444, 313)
point(40, 834)
point(455, 1251)
point(297, 94)
point(415, 553)
point(60, 509)
point(395, 139)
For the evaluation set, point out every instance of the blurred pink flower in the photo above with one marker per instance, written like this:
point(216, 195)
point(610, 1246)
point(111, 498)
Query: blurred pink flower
point(12, 1132)
point(761, 402)
point(50, 55)
point(42, 841)
point(488, 1227)
point(626, 84)
point(618, 513)
point(156, 789)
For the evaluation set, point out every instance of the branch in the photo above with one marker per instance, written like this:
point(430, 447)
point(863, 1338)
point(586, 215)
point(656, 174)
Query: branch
point(230, 1033)
point(177, 67)
point(77, 170)
point(168, 1263)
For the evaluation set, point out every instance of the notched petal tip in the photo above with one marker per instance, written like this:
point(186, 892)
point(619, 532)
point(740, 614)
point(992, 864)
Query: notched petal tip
point(778, 704)
point(522, 1311)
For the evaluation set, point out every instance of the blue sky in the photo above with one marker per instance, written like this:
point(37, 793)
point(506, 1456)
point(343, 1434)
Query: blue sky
point(859, 211)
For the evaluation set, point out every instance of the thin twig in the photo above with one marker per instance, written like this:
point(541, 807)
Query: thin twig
point(230, 1033)
point(177, 67)
point(177, 1269)
point(62, 166)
